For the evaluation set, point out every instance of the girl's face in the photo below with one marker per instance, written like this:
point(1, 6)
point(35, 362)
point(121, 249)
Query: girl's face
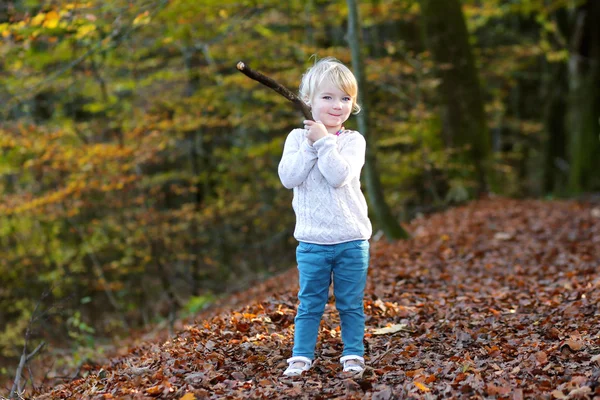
point(331, 106)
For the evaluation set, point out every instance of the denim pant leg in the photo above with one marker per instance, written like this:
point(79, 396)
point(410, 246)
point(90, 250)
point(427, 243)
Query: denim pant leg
point(314, 267)
point(349, 280)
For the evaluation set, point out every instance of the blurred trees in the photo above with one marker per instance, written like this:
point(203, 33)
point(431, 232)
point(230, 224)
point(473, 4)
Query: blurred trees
point(138, 167)
point(463, 116)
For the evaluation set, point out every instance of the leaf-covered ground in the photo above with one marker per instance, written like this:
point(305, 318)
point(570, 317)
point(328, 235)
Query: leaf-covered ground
point(498, 299)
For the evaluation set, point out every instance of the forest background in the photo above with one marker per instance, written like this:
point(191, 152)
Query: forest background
point(138, 167)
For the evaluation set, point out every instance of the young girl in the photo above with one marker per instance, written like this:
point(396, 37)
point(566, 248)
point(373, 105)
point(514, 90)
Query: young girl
point(322, 163)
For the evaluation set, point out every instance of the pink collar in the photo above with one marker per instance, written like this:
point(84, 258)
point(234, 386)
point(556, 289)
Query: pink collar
point(340, 131)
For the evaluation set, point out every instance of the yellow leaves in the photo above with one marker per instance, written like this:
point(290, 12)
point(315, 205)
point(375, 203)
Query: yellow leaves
point(49, 198)
point(142, 19)
point(421, 387)
point(188, 396)
point(85, 30)
point(70, 191)
point(38, 19)
point(6, 140)
point(72, 6)
point(51, 21)
point(5, 30)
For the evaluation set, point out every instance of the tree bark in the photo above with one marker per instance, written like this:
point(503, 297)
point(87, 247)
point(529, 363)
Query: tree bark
point(584, 100)
point(390, 226)
point(554, 118)
point(465, 128)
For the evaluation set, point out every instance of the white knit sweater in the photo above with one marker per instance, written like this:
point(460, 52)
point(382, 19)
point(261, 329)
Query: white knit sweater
point(329, 205)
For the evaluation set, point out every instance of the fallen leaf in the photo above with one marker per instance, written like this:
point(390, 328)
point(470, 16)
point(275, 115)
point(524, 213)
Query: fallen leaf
point(384, 394)
point(154, 390)
point(351, 385)
point(503, 236)
point(210, 345)
point(238, 376)
point(541, 357)
point(581, 392)
point(421, 387)
point(195, 379)
point(188, 396)
point(493, 390)
point(518, 394)
point(380, 304)
point(572, 345)
point(390, 329)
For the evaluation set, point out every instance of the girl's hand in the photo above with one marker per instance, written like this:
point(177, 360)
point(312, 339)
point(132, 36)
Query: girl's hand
point(315, 130)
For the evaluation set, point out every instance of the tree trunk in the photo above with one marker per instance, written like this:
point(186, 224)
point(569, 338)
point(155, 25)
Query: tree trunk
point(383, 215)
point(584, 100)
point(465, 129)
point(554, 119)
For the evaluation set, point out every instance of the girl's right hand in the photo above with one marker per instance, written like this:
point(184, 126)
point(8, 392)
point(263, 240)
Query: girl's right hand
point(315, 130)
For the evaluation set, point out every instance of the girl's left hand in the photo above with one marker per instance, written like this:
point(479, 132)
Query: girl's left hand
point(316, 130)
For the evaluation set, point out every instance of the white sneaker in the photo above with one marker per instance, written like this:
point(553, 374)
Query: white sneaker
point(297, 365)
point(354, 364)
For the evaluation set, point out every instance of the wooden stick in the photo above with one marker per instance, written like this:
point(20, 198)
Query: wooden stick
point(276, 86)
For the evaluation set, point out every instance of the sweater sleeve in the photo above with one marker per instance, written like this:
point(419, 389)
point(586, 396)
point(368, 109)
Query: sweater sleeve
point(339, 166)
point(297, 160)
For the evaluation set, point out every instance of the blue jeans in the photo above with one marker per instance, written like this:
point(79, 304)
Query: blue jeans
point(347, 263)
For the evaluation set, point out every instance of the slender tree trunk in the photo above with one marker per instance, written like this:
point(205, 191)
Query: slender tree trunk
point(554, 119)
point(584, 100)
point(465, 128)
point(383, 215)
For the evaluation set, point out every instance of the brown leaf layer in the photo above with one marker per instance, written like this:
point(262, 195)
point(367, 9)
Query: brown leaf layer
point(482, 317)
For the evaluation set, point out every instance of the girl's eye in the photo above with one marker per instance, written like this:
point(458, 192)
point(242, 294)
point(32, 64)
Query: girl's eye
point(326, 97)
point(346, 99)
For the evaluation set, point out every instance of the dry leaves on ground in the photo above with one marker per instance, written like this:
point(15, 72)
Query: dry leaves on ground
point(497, 299)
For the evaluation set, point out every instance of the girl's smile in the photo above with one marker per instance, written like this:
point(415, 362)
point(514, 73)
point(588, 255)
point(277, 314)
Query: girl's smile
point(332, 106)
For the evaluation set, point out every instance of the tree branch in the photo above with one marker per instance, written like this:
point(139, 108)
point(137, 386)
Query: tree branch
point(17, 387)
point(276, 86)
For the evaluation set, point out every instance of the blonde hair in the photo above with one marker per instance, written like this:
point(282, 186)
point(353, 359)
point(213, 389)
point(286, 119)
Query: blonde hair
point(329, 70)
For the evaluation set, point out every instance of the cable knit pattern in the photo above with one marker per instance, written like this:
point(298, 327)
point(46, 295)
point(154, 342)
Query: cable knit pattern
point(329, 205)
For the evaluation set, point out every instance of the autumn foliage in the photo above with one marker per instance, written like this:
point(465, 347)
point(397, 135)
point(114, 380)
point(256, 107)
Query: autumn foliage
point(138, 183)
point(497, 299)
